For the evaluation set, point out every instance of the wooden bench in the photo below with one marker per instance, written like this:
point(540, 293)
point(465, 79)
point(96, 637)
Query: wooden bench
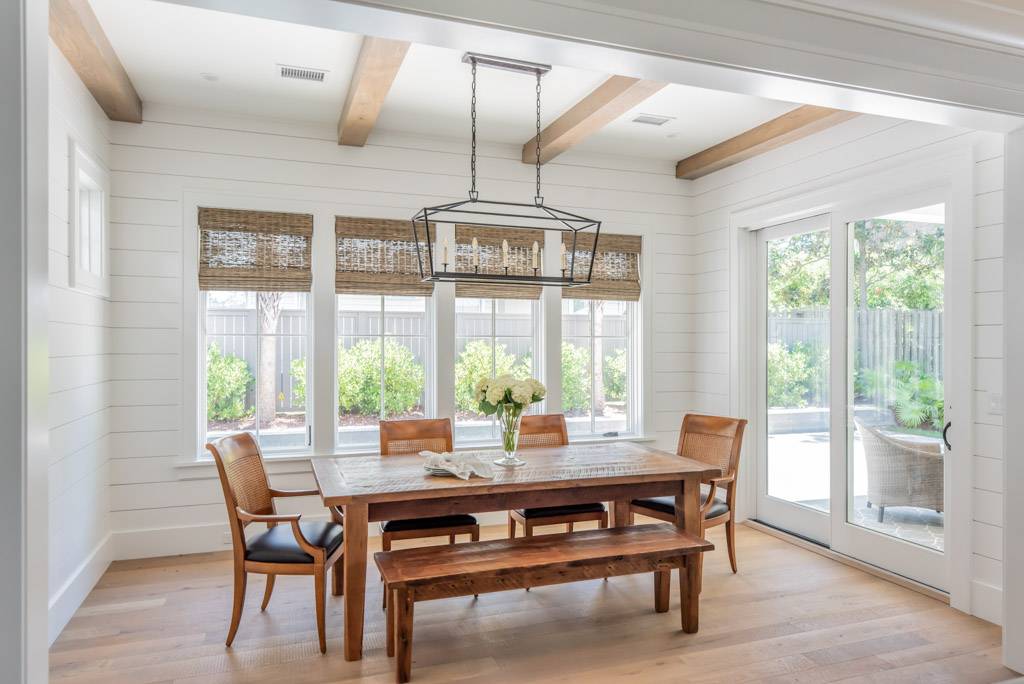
point(435, 572)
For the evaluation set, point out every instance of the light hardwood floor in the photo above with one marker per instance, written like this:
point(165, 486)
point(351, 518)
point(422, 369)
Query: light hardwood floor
point(788, 616)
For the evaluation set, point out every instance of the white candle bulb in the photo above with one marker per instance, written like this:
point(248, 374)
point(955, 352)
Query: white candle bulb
point(476, 252)
point(504, 253)
point(445, 260)
point(536, 251)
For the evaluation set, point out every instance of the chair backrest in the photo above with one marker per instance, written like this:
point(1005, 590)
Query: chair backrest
point(546, 430)
point(242, 476)
point(714, 440)
point(413, 436)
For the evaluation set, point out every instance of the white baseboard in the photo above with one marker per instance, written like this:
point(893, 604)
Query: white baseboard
point(987, 602)
point(67, 599)
point(175, 541)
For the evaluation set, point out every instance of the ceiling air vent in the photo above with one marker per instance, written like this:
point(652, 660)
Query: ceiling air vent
point(302, 73)
point(652, 119)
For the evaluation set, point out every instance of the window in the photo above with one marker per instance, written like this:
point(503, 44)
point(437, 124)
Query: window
point(382, 364)
point(254, 278)
point(256, 355)
point(492, 337)
point(597, 366)
point(87, 223)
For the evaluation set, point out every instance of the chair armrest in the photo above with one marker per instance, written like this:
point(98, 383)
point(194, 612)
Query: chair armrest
point(336, 514)
point(291, 518)
point(714, 482)
point(293, 492)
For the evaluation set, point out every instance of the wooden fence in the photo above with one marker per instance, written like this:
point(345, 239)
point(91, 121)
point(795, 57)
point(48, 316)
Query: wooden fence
point(881, 338)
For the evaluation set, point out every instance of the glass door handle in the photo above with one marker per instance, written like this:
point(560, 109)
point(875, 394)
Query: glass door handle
point(949, 447)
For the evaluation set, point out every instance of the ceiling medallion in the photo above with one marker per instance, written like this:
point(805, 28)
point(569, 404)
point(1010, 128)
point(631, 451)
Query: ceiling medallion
point(519, 264)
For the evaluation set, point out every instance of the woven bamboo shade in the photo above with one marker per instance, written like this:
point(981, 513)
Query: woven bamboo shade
point(520, 260)
point(377, 256)
point(616, 273)
point(254, 250)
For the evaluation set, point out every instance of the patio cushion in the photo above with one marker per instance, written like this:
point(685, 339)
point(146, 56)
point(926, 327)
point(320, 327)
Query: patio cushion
point(278, 544)
point(428, 523)
point(667, 504)
point(571, 509)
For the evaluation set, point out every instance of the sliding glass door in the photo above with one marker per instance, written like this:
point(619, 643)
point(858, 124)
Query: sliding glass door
point(794, 345)
point(852, 335)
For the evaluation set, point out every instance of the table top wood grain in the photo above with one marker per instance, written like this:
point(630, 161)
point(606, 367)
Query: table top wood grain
point(374, 479)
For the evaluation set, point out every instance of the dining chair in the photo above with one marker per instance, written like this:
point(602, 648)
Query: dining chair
point(288, 546)
point(550, 431)
point(399, 437)
point(716, 441)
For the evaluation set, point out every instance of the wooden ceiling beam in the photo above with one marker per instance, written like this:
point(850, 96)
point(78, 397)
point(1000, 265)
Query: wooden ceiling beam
point(607, 102)
point(791, 126)
point(76, 31)
point(378, 64)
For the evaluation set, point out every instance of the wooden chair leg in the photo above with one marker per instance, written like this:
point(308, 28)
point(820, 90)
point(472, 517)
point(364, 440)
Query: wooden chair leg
point(730, 540)
point(239, 600)
point(320, 593)
point(475, 534)
point(451, 538)
point(385, 545)
point(662, 590)
point(403, 634)
point(338, 578)
point(528, 529)
point(267, 592)
point(568, 527)
point(603, 522)
point(390, 626)
point(511, 527)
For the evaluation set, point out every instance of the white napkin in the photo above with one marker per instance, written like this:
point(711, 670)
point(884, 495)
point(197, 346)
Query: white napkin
point(461, 466)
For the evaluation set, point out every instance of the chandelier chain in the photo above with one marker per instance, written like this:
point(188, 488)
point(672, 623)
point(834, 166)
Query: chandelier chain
point(472, 157)
point(538, 199)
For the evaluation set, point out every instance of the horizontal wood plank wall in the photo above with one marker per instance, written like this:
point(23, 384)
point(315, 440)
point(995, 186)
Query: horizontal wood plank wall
point(822, 159)
point(80, 387)
point(392, 177)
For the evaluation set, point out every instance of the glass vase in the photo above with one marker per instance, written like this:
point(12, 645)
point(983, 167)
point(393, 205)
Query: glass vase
point(510, 417)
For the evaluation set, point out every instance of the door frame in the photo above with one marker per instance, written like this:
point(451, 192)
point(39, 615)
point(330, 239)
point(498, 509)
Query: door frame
point(946, 165)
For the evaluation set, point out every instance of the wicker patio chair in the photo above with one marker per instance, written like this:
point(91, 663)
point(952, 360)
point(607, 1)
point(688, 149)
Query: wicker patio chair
point(901, 473)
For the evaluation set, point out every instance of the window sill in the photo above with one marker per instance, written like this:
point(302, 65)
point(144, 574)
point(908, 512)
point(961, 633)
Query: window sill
point(206, 462)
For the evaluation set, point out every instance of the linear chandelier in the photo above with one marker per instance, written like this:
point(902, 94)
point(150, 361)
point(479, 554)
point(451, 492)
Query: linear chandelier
point(577, 234)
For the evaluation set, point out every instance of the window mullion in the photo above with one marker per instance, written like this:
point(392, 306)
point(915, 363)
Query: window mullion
point(383, 349)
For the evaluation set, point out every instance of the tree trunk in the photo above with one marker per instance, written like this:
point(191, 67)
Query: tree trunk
point(268, 312)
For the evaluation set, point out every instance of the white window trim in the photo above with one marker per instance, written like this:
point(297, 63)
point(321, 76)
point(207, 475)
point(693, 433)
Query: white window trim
point(322, 408)
point(79, 277)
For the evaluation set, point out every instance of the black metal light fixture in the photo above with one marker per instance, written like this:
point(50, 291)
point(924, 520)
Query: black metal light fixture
point(577, 233)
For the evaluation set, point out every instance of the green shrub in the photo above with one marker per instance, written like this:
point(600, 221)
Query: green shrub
point(916, 398)
point(575, 377)
point(789, 375)
point(227, 380)
point(359, 379)
point(615, 368)
point(475, 362)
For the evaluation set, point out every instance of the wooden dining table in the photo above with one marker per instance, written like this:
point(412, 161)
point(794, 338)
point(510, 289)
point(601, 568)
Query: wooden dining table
point(374, 488)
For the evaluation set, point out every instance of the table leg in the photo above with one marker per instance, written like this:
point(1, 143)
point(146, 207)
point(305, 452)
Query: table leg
point(356, 531)
point(662, 584)
point(620, 512)
point(688, 519)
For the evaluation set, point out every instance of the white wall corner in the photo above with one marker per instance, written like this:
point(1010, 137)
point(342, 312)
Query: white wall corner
point(70, 596)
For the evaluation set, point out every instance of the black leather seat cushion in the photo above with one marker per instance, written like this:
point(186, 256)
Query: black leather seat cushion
point(278, 545)
point(571, 509)
point(667, 504)
point(428, 523)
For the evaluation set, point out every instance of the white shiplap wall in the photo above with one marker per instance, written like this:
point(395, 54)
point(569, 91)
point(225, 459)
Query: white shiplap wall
point(842, 153)
point(80, 388)
point(159, 507)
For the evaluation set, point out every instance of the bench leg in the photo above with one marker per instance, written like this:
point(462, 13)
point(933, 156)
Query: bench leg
point(511, 527)
point(404, 606)
point(662, 587)
point(390, 625)
point(689, 595)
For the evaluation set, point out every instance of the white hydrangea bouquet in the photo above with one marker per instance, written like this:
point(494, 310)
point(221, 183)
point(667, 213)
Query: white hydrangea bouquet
point(506, 398)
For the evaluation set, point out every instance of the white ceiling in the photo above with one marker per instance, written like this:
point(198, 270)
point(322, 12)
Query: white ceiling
point(166, 49)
